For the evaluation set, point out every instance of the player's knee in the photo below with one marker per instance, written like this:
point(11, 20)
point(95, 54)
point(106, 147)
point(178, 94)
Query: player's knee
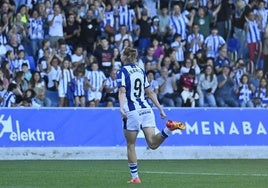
point(152, 146)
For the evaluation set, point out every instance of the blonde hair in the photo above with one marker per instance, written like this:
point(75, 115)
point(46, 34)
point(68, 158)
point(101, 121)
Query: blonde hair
point(129, 55)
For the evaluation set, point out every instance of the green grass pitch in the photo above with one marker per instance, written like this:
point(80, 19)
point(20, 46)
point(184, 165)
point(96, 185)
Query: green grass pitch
point(114, 174)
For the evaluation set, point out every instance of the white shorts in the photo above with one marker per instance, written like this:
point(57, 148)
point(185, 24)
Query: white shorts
point(61, 91)
point(138, 119)
point(94, 95)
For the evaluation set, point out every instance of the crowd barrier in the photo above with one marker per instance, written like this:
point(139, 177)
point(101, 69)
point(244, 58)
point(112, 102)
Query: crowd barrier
point(102, 127)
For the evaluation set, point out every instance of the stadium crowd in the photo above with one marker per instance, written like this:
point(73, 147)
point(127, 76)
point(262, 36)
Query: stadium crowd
point(196, 53)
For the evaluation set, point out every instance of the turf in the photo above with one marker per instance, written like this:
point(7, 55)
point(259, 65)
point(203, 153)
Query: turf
point(154, 173)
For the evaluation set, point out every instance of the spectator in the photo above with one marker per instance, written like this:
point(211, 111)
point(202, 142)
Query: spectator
point(121, 36)
point(187, 88)
point(255, 79)
point(80, 86)
point(150, 58)
point(204, 19)
point(72, 31)
point(239, 70)
point(195, 40)
point(35, 31)
point(179, 22)
point(158, 47)
point(3, 78)
point(3, 91)
point(104, 56)
point(125, 15)
point(164, 20)
point(53, 74)
point(168, 95)
point(36, 81)
point(26, 71)
point(116, 60)
point(153, 84)
point(41, 98)
point(22, 59)
point(65, 89)
point(213, 42)
point(206, 87)
point(14, 44)
point(56, 22)
point(145, 22)
point(9, 99)
point(225, 96)
point(111, 88)
point(260, 97)
point(78, 57)
point(179, 46)
point(97, 81)
point(89, 31)
point(21, 82)
point(253, 38)
point(221, 60)
point(245, 92)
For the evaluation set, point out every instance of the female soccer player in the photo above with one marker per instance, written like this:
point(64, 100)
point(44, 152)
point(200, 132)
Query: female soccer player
point(136, 112)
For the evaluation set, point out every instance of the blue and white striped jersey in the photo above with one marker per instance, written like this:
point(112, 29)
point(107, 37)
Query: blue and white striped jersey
point(134, 79)
point(253, 34)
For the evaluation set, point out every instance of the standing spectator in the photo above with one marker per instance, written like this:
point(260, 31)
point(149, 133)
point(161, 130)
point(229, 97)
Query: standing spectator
point(71, 31)
point(213, 42)
point(97, 80)
point(224, 18)
point(179, 46)
point(179, 22)
point(164, 20)
point(104, 56)
point(79, 83)
point(56, 22)
point(145, 22)
point(204, 19)
point(195, 40)
point(225, 96)
point(65, 89)
point(253, 38)
point(125, 15)
point(90, 30)
point(53, 72)
point(36, 32)
point(206, 87)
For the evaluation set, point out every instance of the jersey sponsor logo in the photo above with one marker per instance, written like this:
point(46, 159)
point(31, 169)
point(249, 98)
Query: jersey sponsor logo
point(16, 134)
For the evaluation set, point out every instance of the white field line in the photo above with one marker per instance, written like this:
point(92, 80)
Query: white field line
point(204, 174)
